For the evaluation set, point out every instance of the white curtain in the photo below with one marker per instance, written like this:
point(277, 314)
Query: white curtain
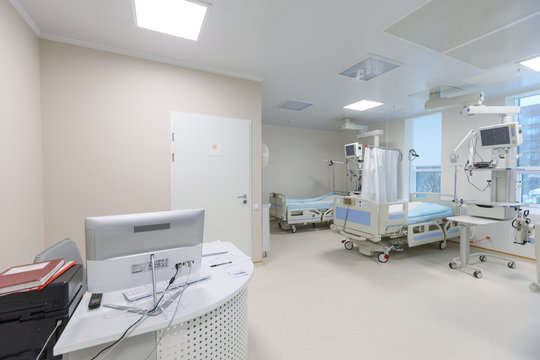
point(379, 176)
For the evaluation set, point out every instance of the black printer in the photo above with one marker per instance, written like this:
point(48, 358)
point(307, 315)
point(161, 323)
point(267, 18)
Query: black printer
point(27, 319)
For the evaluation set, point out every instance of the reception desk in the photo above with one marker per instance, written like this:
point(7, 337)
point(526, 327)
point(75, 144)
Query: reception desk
point(211, 322)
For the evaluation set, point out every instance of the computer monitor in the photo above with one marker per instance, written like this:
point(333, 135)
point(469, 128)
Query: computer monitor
point(119, 247)
point(501, 135)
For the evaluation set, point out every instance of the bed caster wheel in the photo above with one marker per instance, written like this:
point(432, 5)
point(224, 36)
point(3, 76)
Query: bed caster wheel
point(511, 265)
point(534, 287)
point(482, 258)
point(452, 265)
point(442, 245)
point(313, 224)
point(348, 245)
point(477, 274)
point(383, 258)
point(279, 225)
point(293, 229)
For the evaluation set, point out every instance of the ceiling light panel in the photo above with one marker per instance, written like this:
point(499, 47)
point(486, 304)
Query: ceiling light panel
point(444, 25)
point(370, 67)
point(513, 43)
point(294, 105)
point(363, 105)
point(533, 63)
point(174, 17)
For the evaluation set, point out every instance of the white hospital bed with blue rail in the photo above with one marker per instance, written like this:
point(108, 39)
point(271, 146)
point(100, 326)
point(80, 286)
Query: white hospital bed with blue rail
point(384, 227)
point(296, 211)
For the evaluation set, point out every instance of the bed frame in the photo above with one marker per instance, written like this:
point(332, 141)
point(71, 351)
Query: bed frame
point(288, 219)
point(381, 227)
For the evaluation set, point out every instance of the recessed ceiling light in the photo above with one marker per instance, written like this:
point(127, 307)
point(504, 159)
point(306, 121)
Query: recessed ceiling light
point(533, 63)
point(174, 17)
point(294, 105)
point(363, 105)
point(369, 67)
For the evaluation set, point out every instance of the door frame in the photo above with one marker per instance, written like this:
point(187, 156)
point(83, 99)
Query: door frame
point(250, 190)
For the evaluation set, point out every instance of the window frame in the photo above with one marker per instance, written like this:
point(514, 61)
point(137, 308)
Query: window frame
point(412, 169)
point(523, 170)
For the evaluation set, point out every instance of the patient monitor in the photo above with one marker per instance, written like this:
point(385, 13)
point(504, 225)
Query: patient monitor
point(501, 135)
point(354, 151)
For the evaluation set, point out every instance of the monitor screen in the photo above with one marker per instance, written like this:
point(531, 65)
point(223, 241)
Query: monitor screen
point(495, 136)
point(123, 245)
point(349, 150)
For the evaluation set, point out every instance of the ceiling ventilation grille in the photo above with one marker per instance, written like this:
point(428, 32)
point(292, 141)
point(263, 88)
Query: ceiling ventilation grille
point(371, 66)
point(293, 105)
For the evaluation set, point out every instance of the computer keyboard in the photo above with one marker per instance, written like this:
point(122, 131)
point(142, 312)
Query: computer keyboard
point(141, 292)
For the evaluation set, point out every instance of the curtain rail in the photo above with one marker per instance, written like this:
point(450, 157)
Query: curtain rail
point(387, 148)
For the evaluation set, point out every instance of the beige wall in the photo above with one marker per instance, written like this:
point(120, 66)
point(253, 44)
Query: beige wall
point(295, 167)
point(106, 133)
point(21, 176)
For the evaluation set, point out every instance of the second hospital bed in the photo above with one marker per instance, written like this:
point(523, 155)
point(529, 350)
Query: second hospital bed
point(384, 227)
point(295, 211)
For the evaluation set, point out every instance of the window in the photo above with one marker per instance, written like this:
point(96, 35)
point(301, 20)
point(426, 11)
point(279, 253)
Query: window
point(529, 151)
point(424, 136)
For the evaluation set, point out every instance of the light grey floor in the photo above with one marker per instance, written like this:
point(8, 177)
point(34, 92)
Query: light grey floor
point(312, 299)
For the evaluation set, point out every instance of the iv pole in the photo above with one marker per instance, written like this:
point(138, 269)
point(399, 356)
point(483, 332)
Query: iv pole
point(331, 164)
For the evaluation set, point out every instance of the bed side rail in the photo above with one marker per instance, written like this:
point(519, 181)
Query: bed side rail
point(392, 215)
point(278, 205)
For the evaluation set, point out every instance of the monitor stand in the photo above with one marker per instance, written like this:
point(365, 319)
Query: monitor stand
point(157, 309)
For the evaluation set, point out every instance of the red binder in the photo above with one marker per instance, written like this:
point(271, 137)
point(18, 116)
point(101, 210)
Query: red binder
point(28, 276)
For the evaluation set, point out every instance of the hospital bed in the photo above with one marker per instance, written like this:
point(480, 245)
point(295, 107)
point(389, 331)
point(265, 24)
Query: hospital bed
point(384, 227)
point(300, 211)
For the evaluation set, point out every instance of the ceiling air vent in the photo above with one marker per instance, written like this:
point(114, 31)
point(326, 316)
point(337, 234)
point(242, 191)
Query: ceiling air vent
point(371, 66)
point(294, 105)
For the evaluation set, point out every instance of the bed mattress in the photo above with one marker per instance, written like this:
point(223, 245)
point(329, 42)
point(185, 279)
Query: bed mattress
point(320, 203)
point(420, 212)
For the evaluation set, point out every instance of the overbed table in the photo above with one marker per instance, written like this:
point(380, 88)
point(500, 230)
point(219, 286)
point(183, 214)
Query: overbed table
point(462, 262)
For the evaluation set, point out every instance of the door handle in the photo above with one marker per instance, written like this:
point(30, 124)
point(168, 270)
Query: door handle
point(242, 196)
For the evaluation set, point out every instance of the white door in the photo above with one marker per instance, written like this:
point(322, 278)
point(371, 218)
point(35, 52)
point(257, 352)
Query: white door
point(211, 169)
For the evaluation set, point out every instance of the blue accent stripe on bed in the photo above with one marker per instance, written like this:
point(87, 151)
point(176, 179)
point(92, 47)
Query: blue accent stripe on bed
point(427, 236)
point(453, 230)
point(290, 221)
point(354, 216)
point(396, 217)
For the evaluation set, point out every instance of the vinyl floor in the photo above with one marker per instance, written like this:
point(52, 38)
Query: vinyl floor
point(312, 299)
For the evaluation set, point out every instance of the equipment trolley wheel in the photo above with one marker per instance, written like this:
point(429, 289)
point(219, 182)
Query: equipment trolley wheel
point(534, 287)
point(383, 258)
point(442, 245)
point(477, 274)
point(482, 258)
point(512, 265)
point(452, 265)
point(348, 245)
point(293, 228)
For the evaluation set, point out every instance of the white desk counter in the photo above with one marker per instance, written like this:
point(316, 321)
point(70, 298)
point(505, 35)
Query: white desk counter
point(217, 306)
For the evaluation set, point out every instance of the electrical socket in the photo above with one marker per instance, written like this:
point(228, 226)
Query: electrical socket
point(185, 263)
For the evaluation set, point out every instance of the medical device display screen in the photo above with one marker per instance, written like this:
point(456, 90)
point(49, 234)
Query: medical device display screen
point(349, 150)
point(495, 136)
